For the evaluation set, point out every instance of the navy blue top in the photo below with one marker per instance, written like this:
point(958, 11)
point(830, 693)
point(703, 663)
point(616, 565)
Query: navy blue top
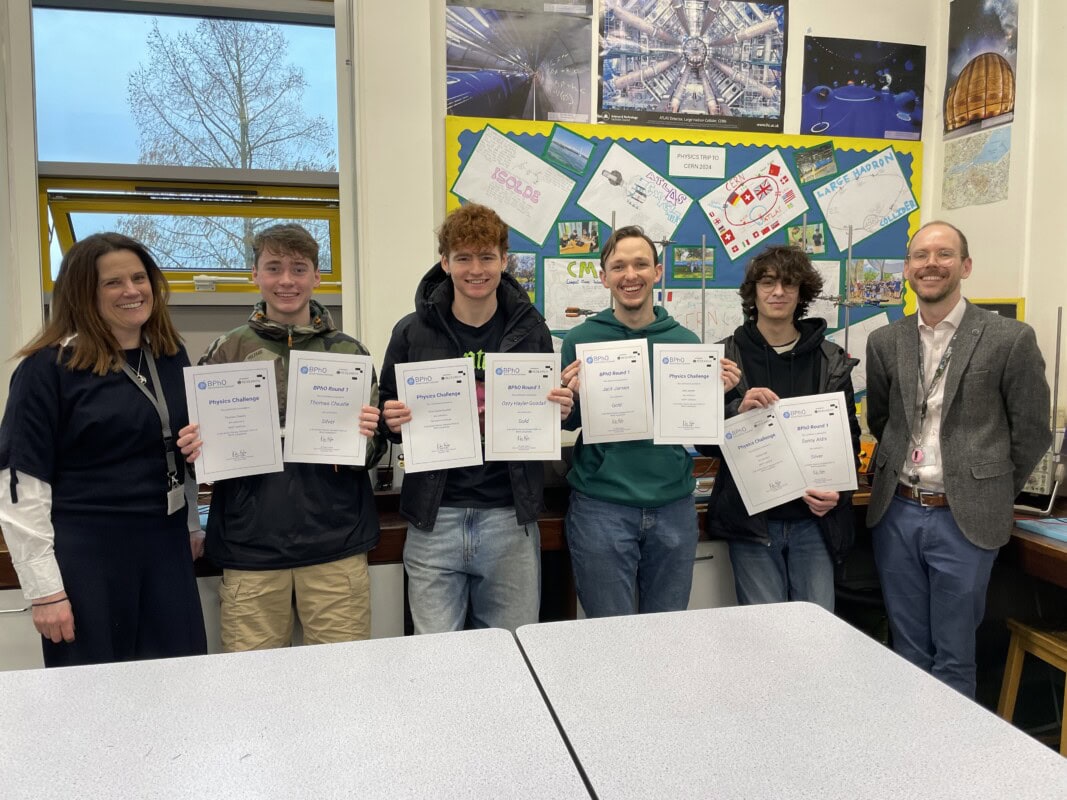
point(96, 440)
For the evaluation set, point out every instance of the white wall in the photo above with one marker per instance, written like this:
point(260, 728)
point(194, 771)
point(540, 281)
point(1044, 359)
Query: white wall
point(1038, 246)
point(20, 293)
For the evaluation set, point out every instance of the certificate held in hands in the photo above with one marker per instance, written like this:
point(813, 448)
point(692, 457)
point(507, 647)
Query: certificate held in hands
point(236, 407)
point(615, 390)
point(521, 424)
point(688, 393)
point(816, 427)
point(763, 465)
point(327, 392)
point(444, 431)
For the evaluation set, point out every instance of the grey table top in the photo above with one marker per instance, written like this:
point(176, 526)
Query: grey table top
point(452, 715)
point(782, 701)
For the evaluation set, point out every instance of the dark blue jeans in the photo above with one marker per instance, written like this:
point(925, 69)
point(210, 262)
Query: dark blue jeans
point(795, 565)
point(934, 583)
point(630, 560)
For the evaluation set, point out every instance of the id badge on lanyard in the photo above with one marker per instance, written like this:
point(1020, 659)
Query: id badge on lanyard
point(175, 489)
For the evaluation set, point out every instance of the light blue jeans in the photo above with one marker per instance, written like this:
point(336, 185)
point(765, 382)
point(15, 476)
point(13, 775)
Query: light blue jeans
point(934, 584)
point(630, 560)
point(477, 565)
point(795, 565)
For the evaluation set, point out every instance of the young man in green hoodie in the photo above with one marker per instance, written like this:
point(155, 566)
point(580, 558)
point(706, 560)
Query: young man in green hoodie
point(632, 523)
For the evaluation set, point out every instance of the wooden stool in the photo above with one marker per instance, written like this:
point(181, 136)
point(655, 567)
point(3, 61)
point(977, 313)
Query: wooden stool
point(1049, 646)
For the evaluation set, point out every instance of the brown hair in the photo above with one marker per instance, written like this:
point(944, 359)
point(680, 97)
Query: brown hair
point(792, 266)
point(473, 225)
point(74, 309)
point(626, 232)
point(286, 238)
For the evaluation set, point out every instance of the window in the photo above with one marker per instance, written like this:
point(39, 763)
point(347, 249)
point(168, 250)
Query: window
point(231, 123)
point(206, 229)
point(184, 91)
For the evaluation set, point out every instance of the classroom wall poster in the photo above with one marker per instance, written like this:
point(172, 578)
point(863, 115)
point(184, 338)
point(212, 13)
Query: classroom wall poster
point(983, 41)
point(854, 87)
point(709, 65)
point(530, 61)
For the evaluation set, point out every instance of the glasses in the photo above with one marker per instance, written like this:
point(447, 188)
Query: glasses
point(940, 256)
point(767, 284)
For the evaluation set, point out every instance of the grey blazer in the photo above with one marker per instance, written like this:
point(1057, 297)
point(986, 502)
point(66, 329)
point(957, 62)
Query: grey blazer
point(994, 424)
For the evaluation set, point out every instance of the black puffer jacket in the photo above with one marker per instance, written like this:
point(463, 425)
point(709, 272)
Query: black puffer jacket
point(814, 366)
point(424, 335)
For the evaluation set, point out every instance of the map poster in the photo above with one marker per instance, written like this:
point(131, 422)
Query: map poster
point(977, 169)
point(754, 204)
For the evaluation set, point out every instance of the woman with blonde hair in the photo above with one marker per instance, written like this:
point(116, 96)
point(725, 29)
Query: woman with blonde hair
point(92, 488)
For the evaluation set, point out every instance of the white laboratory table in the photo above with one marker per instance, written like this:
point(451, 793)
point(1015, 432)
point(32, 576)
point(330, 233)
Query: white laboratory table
point(455, 715)
point(771, 702)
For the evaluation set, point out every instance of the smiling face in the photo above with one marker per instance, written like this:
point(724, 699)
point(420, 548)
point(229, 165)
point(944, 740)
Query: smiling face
point(935, 265)
point(775, 301)
point(123, 295)
point(630, 272)
point(286, 282)
point(475, 271)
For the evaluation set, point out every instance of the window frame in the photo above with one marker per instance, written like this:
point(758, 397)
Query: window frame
point(309, 196)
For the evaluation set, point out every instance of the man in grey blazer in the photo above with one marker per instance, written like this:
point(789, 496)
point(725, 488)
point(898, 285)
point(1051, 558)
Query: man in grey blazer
point(958, 400)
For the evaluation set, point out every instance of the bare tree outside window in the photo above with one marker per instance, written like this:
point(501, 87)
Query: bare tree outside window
point(222, 96)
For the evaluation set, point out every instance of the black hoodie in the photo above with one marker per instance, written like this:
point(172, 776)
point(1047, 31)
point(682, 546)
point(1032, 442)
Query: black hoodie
point(813, 366)
point(425, 335)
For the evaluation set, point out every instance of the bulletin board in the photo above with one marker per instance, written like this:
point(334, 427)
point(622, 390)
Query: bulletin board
point(712, 199)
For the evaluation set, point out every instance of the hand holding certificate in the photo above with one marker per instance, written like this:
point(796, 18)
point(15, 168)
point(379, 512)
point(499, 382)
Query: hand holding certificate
point(688, 393)
point(521, 424)
point(776, 453)
point(236, 407)
point(443, 431)
point(615, 391)
point(326, 393)
point(817, 429)
point(763, 467)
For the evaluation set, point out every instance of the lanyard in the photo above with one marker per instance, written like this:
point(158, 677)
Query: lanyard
point(941, 366)
point(159, 401)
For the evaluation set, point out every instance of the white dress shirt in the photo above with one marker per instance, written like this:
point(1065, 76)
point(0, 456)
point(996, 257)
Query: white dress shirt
point(934, 342)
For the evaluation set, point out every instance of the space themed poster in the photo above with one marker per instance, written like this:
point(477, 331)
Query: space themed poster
point(983, 40)
point(854, 87)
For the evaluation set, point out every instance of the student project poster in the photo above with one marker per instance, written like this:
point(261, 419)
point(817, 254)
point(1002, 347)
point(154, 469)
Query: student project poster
point(708, 65)
point(717, 210)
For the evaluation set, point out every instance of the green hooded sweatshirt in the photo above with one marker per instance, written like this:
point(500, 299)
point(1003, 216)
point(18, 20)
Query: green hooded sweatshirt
point(636, 473)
